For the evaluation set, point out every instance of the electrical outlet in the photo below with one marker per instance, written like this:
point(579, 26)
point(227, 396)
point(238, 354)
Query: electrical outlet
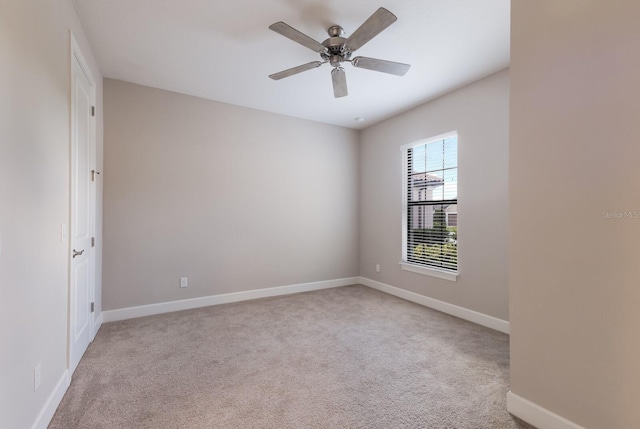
point(377, 268)
point(184, 282)
point(36, 378)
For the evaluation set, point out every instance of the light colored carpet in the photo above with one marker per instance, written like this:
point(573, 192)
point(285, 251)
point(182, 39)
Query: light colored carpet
point(349, 357)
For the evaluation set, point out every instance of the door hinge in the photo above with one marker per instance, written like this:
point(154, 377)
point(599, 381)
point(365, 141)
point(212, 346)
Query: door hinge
point(92, 307)
point(93, 110)
point(93, 175)
point(93, 242)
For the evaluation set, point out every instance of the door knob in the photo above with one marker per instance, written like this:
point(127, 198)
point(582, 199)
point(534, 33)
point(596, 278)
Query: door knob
point(76, 253)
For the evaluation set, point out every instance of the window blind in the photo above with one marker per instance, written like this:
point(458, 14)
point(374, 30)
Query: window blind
point(432, 204)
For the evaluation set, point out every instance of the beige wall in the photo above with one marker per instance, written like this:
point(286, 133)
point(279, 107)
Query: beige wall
point(235, 199)
point(479, 112)
point(574, 274)
point(34, 199)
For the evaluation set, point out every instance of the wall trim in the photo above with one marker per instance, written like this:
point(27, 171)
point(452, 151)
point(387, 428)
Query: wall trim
point(54, 399)
point(428, 271)
point(536, 415)
point(187, 304)
point(445, 307)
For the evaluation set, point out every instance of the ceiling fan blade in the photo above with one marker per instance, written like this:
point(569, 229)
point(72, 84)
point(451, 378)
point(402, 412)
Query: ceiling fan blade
point(291, 33)
point(295, 70)
point(373, 26)
point(399, 69)
point(339, 79)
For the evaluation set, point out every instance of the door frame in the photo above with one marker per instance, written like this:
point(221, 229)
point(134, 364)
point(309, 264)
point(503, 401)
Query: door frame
point(76, 55)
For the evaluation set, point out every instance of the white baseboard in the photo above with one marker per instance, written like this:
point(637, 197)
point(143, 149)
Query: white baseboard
point(445, 307)
point(536, 415)
point(50, 407)
point(187, 304)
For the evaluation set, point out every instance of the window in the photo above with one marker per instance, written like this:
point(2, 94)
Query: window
point(430, 206)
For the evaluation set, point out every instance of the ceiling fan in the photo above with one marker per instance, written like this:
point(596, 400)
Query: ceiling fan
point(336, 50)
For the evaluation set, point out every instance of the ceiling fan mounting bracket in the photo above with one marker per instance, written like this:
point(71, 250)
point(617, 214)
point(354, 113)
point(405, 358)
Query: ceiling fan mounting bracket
point(335, 31)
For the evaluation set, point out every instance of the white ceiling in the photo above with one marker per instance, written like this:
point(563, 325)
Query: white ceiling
point(223, 50)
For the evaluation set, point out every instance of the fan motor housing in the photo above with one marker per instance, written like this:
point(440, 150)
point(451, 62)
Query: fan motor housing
point(336, 52)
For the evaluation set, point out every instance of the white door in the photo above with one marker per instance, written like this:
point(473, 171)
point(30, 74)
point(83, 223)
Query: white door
point(82, 213)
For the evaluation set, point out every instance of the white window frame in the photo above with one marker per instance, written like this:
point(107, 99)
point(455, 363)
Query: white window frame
point(408, 266)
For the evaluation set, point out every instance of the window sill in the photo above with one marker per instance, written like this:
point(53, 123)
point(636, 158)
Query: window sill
point(433, 272)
